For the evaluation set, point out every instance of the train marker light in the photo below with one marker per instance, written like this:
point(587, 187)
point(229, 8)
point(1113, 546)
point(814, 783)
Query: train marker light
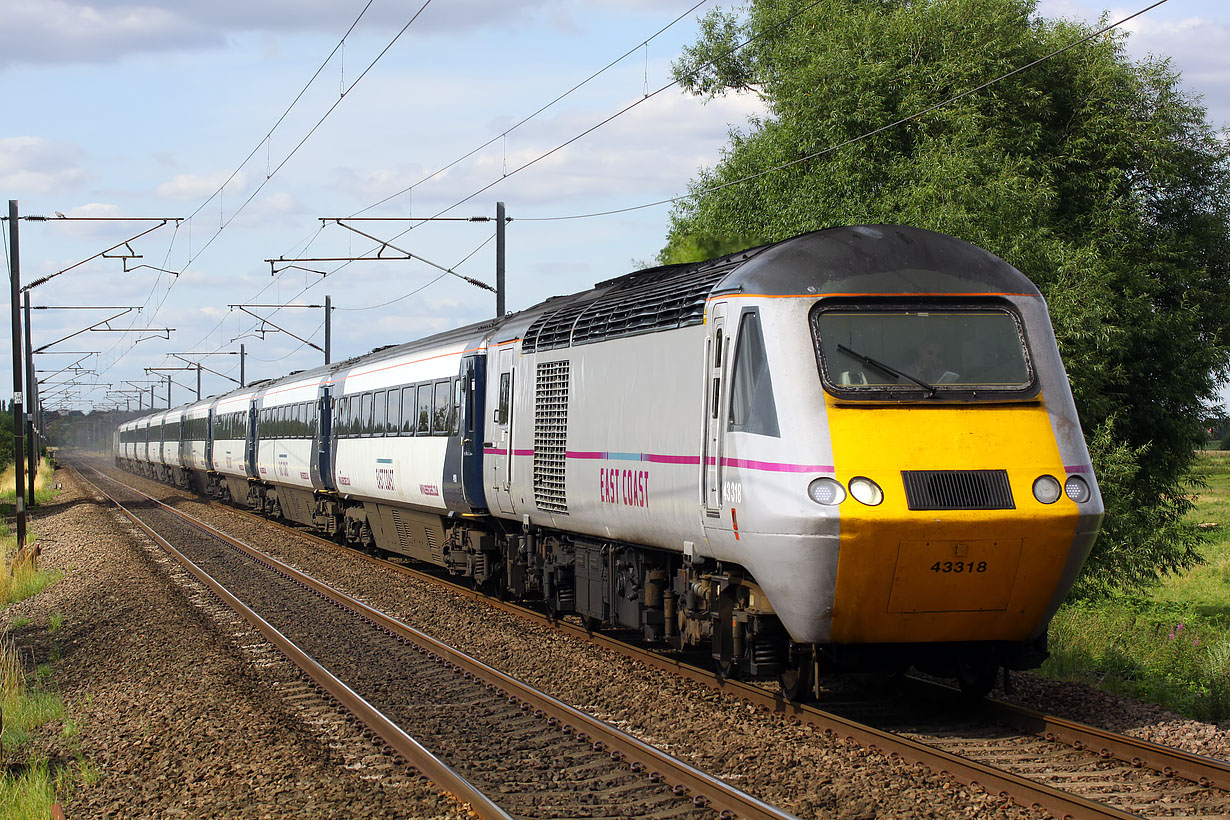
point(1047, 489)
point(826, 491)
point(866, 491)
point(1077, 489)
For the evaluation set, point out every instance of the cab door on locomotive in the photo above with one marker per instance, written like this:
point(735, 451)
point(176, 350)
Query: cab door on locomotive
point(716, 346)
point(500, 446)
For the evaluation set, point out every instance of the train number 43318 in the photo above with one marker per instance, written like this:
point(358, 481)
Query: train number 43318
point(959, 566)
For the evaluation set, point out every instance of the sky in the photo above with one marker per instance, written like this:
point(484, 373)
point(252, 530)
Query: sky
point(252, 121)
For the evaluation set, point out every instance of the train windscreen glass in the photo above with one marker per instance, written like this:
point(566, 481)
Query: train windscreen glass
point(895, 352)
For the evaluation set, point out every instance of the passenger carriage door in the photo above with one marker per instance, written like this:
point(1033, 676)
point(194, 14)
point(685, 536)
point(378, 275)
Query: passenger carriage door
point(717, 348)
point(253, 432)
point(499, 447)
point(320, 469)
point(471, 430)
point(209, 439)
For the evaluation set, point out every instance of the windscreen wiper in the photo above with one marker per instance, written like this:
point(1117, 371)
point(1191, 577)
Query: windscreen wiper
point(884, 368)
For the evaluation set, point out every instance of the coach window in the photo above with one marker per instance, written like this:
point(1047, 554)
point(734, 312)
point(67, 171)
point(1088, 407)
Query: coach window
point(501, 412)
point(440, 408)
point(365, 414)
point(393, 419)
point(424, 410)
point(752, 409)
point(407, 411)
point(344, 417)
point(381, 412)
point(453, 421)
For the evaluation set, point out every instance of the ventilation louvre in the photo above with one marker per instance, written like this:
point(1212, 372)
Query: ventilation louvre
point(551, 435)
point(957, 489)
point(638, 303)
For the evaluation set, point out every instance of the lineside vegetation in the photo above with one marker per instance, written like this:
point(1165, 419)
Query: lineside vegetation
point(1170, 646)
point(34, 714)
point(1095, 174)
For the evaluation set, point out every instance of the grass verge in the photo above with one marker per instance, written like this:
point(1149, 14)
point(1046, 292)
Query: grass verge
point(44, 485)
point(30, 783)
point(1170, 646)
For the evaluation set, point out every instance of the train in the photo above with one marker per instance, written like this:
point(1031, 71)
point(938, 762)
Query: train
point(853, 449)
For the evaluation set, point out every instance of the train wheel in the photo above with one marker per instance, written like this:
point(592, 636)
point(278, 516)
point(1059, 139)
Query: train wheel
point(795, 682)
point(976, 673)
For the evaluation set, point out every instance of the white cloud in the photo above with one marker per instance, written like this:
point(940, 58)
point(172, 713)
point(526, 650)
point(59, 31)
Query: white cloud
point(101, 31)
point(34, 165)
point(191, 187)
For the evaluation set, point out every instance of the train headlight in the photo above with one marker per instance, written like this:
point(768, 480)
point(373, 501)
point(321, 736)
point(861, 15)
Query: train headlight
point(1047, 489)
point(866, 491)
point(1077, 489)
point(826, 491)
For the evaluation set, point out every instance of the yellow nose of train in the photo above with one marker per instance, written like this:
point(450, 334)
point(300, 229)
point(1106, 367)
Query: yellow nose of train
point(960, 548)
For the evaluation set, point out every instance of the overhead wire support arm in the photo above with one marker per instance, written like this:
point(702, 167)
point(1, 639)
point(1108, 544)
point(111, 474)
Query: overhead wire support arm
point(386, 244)
point(199, 366)
point(265, 321)
point(104, 253)
point(94, 326)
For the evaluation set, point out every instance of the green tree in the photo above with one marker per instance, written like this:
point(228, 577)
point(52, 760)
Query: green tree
point(1092, 173)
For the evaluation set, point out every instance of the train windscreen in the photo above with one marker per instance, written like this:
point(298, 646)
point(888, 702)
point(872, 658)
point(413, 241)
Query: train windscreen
point(897, 352)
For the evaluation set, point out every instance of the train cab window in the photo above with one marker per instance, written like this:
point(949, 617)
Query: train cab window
point(380, 412)
point(407, 411)
point(752, 408)
point(967, 352)
point(441, 404)
point(424, 410)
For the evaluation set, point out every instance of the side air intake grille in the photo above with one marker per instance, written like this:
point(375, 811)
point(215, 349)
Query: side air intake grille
point(957, 490)
point(551, 436)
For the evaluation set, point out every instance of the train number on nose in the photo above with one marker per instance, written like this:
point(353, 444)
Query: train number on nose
point(959, 566)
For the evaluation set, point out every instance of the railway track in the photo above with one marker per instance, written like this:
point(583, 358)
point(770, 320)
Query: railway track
point(1066, 768)
point(500, 746)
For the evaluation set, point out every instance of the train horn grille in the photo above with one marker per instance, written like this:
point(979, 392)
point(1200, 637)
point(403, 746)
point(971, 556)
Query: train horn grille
point(957, 489)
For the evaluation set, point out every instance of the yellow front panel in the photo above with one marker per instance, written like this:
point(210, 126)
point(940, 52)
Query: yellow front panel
point(946, 575)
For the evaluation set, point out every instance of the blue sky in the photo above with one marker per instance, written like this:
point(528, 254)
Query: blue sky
point(146, 109)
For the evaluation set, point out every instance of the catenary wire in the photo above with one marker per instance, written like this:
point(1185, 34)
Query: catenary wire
point(523, 121)
point(852, 140)
point(269, 176)
point(540, 110)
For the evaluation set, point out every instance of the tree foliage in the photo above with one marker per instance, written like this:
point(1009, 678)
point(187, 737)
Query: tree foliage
point(1094, 174)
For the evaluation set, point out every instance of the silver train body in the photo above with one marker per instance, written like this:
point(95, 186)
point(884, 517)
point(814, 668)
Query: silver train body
point(735, 454)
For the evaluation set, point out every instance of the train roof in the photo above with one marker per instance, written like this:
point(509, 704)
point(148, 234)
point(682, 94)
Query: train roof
point(879, 260)
point(856, 260)
point(861, 259)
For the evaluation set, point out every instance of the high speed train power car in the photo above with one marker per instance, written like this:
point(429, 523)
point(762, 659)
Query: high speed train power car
point(856, 447)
